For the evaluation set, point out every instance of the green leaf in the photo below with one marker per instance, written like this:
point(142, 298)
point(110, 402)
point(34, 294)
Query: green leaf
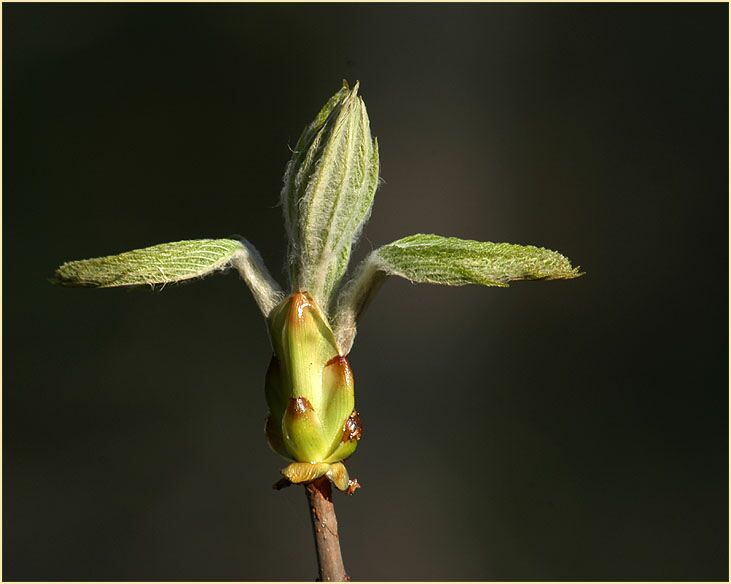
point(433, 259)
point(174, 262)
point(328, 191)
point(159, 264)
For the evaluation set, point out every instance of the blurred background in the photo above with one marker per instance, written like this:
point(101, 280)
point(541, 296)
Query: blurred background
point(550, 431)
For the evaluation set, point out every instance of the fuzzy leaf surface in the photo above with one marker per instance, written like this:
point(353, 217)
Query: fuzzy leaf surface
point(175, 262)
point(451, 261)
point(328, 191)
point(159, 264)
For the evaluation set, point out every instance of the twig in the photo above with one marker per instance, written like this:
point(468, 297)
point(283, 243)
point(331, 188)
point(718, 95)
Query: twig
point(325, 530)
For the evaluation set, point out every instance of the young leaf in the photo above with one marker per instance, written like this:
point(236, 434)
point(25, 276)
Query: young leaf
point(328, 192)
point(175, 262)
point(433, 259)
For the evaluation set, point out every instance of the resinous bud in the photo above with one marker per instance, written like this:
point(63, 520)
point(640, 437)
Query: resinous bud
point(310, 393)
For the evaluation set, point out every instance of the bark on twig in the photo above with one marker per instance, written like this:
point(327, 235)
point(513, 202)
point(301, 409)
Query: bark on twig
point(325, 530)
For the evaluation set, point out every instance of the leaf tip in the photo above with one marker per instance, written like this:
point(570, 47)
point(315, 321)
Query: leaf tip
point(67, 275)
point(576, 273)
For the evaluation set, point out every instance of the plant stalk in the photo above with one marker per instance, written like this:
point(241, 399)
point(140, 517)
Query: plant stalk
point(325, 530)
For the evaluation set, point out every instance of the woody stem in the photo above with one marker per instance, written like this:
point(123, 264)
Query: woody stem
point(325, 530)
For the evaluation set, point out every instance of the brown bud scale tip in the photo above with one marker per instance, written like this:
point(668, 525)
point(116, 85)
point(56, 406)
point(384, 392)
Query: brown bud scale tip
point(353, 429)
point(300, 302)
point(346, 373)
point(337, 360)
point(299, 405)
point(353, 485)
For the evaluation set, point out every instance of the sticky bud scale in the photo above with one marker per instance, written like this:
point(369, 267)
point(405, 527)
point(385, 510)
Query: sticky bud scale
point(310, 393)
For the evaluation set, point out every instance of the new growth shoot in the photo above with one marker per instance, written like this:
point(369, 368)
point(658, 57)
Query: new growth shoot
point(329, 186)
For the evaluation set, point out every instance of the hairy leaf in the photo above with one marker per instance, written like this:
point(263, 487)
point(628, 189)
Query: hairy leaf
point(433, 259)
point(174, 262)
point(328, 191)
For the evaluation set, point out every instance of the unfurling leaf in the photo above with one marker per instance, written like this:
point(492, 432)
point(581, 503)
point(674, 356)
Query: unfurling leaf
point(328, 192)
point(175, 262)
point(433, 259)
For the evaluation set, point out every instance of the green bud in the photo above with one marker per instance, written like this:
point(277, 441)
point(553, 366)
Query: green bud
point(310, 394)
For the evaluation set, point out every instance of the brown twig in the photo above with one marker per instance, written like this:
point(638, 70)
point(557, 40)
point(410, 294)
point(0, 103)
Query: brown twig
point(325, 530)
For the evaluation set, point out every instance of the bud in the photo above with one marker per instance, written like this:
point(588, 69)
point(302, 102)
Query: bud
point(328, 191)
point(310, 394)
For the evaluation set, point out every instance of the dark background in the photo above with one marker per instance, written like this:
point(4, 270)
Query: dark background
point(563, 430)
